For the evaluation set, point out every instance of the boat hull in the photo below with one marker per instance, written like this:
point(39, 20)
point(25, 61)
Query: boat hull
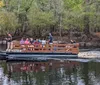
point(36, 55)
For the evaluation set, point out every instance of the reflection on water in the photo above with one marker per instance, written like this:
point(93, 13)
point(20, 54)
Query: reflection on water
point(51, 72)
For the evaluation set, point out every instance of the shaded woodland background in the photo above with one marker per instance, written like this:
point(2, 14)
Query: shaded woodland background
point(65, 19)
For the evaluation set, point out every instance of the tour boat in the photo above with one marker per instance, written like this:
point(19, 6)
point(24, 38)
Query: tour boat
point(39, 51)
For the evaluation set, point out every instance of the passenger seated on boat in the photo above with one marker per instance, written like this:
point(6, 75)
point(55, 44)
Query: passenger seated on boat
point(27, 41)
point(31, 41)
point(39, 40)
point(43, 42)
point(72, 41)
point(36, 43)
point(22, 41)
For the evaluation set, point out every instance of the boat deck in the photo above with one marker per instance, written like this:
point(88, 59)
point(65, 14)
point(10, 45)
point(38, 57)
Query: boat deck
point(29, 52)
point(47, 48)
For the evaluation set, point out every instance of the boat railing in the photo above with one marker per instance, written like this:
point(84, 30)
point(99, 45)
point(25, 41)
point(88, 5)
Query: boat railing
point(69, 48)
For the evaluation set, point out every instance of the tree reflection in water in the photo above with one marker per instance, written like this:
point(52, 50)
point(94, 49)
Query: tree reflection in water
point(51, 72)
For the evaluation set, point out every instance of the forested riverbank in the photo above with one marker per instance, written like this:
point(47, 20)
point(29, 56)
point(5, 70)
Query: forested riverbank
point(65, 19)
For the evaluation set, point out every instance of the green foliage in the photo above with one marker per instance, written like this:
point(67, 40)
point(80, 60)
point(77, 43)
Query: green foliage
point(39, 18)
point(8, 21)
point(1, 4)
point(73, 18)
point(63, 14)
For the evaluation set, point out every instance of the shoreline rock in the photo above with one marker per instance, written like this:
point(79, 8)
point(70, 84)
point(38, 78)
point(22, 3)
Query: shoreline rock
point(89, 54)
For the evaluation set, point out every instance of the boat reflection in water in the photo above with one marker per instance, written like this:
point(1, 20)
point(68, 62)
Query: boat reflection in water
point(51, 72)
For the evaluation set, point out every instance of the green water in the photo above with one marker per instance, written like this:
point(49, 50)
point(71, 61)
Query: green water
point(51, 72)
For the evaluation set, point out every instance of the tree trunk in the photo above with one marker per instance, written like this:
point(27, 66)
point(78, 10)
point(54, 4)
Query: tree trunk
point(86, 25)
point(86, 19)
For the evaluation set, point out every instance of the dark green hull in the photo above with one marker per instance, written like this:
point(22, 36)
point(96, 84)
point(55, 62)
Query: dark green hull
point(32, 56)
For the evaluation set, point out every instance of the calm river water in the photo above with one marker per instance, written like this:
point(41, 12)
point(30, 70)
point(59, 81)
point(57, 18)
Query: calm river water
point(51, 72)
